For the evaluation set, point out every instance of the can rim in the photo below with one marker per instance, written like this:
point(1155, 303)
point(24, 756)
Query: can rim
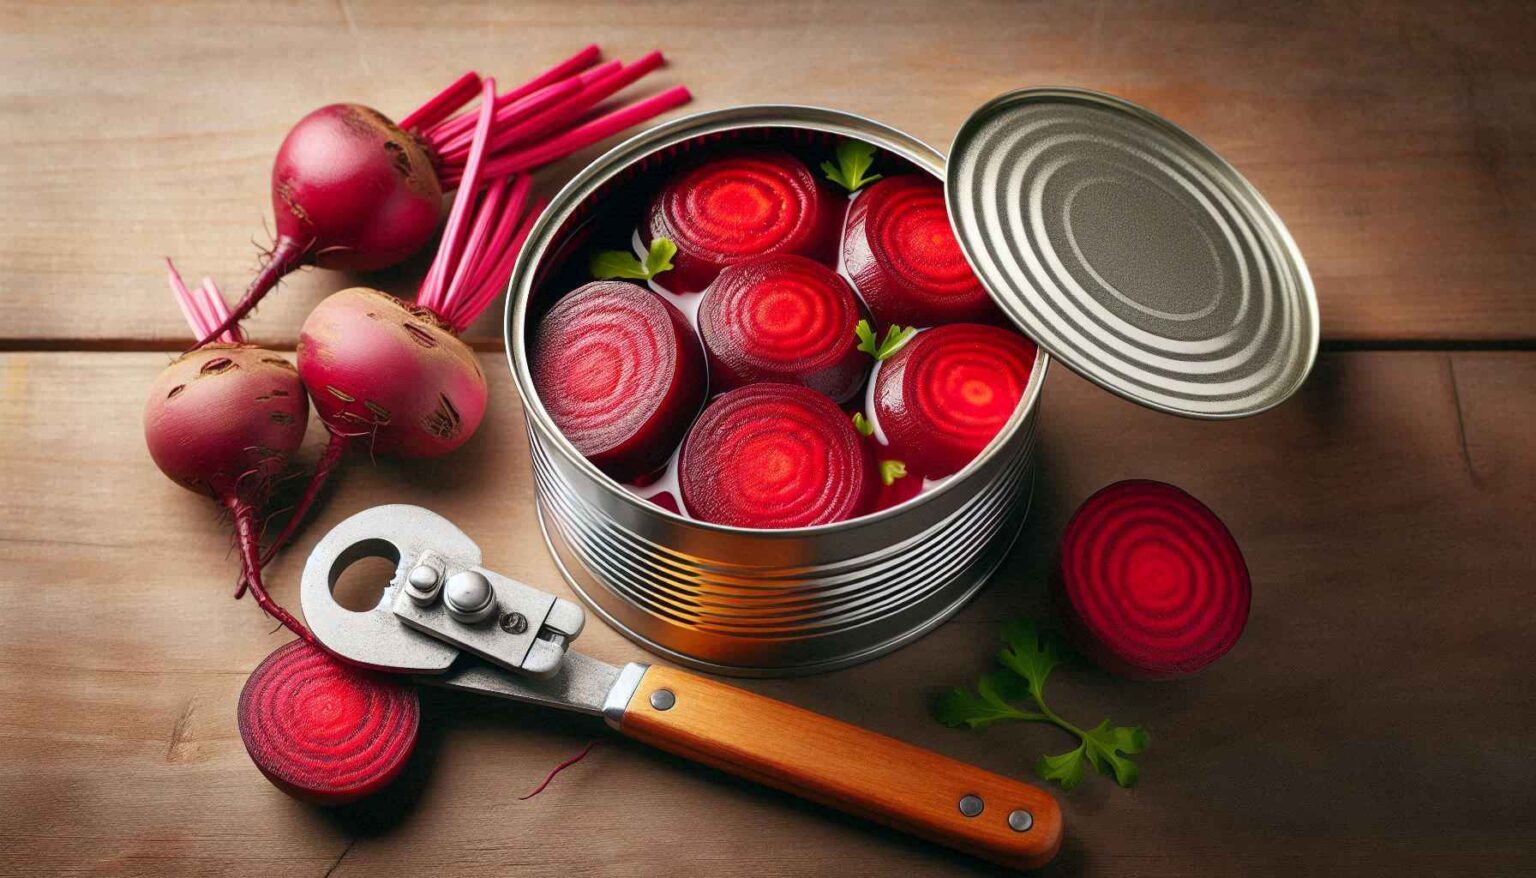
point(622, 155)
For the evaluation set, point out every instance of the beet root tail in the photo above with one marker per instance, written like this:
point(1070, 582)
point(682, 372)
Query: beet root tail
point(287, 255)
point(244, 517)
point(334, 450)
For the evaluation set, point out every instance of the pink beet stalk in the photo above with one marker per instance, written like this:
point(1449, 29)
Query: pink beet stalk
point(352, 190)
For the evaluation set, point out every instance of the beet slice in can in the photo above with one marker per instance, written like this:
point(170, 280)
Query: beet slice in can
point(902, 255)
point(622, 373)
point(942, 397)
point(737, 206)
point(775, 456)
point(783, 318)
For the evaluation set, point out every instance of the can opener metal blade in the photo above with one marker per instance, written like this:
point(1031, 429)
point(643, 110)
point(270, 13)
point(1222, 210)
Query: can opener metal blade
point(451, 622)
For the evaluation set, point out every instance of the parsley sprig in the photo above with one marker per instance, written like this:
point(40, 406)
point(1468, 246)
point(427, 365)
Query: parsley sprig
point(1027, 658)
point(895, 338)
point(853, 159)
point(621, 263)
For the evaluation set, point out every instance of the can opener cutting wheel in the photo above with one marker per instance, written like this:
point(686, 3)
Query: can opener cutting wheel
point(441, 603)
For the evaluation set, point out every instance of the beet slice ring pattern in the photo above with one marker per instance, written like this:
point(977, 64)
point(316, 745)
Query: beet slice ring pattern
point(941, 398)
point(902, 255)
point(775, 456)
point(622, 373)
point(1151, 581)
point(783, 318)
point(737, 206)
point(324, 731)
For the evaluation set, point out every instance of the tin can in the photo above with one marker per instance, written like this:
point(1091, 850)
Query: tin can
point(746, 601)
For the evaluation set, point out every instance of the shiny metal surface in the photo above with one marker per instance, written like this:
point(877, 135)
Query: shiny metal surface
point(622, 692)
point(401, 633)
point(1132, 252)
point(582, 684)
point(761, 602)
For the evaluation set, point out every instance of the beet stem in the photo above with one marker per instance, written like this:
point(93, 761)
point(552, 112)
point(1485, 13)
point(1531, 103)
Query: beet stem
point(287, 254)
point(586, 134)
point(494, 280)
point(526, 134)
point(440, 135)
point(444, 103)
point(244, 516)
point(433, 287)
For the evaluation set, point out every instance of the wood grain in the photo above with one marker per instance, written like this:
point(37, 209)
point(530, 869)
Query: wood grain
point(1372, 721)
point(846, 767)
point(1394, 138)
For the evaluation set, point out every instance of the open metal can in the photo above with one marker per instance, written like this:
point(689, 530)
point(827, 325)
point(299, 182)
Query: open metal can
point(771, 602)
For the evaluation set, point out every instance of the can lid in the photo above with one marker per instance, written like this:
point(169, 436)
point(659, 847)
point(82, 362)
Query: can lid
point(1132, 252)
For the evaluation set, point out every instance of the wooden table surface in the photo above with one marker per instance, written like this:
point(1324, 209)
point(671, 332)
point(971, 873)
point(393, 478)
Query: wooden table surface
point(1373, 720)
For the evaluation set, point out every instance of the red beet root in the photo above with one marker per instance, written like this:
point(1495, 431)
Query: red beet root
point(353, 190)
point(783, 318)
point(622, 374)
point(323, 731)
point(941, 398)
point(355, 350)
point(737, 206)
point(394, 378)
point(774, 456)
point(225, 420)
point(903, 257)
point(1151, 581)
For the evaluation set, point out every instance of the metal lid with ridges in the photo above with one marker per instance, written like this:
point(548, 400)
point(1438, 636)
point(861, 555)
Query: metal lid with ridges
point(1132, 252)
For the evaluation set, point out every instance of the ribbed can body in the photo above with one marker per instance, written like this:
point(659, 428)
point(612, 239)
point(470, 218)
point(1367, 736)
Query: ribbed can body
point(758, 602)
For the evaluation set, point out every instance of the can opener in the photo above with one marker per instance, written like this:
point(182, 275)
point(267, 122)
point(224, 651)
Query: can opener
point(441, 603)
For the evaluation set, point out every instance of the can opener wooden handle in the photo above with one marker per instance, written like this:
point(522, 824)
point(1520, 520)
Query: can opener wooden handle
point(442, 604)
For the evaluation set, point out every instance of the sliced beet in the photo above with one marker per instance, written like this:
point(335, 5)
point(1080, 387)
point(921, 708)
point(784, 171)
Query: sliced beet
point(902, 255)
point(774, 456)
point(941, 398)
point(783, 318)
point(1152, 583)
point(324, 731)
point(736, 206)
point(622, 374)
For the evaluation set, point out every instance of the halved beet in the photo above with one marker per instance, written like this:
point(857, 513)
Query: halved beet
point(737, 206)
point(1152, 583)
point(324, 731)
point(783, 318)
point(775, 455)
point(902, 255)
point(622, 374)
point(941, 398)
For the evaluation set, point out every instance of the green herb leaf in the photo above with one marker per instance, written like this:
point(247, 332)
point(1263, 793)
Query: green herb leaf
point(863, 424)
point(891, 470)
point(853, 158)
point(989, 704)
point(1028, 657)
point(1109, 746)
point(1065, 769)
point(1029, 654)
point(896, 338)
point(610, 264)
point(659, 258)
